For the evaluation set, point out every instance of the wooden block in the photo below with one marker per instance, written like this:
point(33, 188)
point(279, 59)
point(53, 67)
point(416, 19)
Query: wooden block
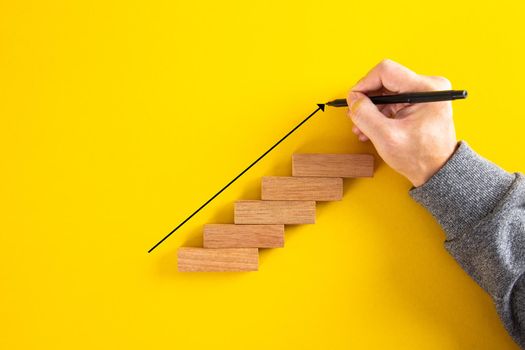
point(243, 236)
point(274, 212)
point(211, 260)
point(302, 188)
point(333, 165)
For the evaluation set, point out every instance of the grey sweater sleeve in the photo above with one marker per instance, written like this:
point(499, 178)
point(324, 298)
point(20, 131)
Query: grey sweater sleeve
point(481, 207)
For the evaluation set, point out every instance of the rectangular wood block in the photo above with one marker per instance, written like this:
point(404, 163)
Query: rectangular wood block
point(210, 260)
point(301, 188)
point(274, 212)
point(243, 236)
point(333, 165)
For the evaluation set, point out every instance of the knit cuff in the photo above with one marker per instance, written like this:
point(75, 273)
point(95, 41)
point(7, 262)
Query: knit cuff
point(463, 191)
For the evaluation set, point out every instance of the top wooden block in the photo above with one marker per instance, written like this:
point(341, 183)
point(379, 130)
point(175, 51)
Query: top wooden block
point(333, 165)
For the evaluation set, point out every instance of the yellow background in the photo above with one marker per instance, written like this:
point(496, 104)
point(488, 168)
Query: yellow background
point(119, 118)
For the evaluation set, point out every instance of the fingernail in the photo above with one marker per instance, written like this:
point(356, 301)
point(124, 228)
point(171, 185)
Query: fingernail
point(352, 96)
point(354, 102)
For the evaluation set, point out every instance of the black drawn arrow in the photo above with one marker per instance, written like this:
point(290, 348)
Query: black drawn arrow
point(320, 107)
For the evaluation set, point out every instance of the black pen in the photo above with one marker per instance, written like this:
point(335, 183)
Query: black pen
point(410, 97)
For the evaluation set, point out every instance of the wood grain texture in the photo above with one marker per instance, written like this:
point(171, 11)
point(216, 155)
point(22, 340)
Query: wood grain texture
point(192, 259)
point(301, 188)
point(243, 236)
point(274, 212)
point(333, 165)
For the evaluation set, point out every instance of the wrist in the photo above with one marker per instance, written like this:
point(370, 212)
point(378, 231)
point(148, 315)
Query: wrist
point(430, 166)
point(464, 190)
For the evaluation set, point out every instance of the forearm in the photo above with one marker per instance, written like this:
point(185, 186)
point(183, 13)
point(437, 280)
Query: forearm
point(482, 210)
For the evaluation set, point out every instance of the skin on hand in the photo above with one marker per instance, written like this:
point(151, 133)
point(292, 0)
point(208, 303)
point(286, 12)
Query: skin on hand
point(416, 140)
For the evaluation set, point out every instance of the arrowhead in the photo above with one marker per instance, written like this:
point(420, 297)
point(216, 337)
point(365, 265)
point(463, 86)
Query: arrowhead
point(321, 106)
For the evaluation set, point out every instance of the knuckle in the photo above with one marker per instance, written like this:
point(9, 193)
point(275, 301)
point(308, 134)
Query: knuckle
point(385, 62)
point(443, 83)
point(384, 65)
point(437, 83)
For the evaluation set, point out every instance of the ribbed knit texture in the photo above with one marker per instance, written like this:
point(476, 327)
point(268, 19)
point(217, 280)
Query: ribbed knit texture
point(481, 208)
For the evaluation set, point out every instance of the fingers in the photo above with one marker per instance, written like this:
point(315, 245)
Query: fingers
point(387, 74)
point(367, 118)
point(396, 78)
point(438, 83)
point(362, 137)
point(387, 77)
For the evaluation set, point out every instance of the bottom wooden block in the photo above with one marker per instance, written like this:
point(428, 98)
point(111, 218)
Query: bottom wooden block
point(211, 260)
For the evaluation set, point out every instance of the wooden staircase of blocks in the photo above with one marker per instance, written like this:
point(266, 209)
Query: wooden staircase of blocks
point(284, 201)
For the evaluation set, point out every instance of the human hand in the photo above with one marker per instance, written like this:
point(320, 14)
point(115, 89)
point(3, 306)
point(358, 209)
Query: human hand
point(416, 140)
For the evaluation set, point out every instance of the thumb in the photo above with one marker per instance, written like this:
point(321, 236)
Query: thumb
point(366, 116)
